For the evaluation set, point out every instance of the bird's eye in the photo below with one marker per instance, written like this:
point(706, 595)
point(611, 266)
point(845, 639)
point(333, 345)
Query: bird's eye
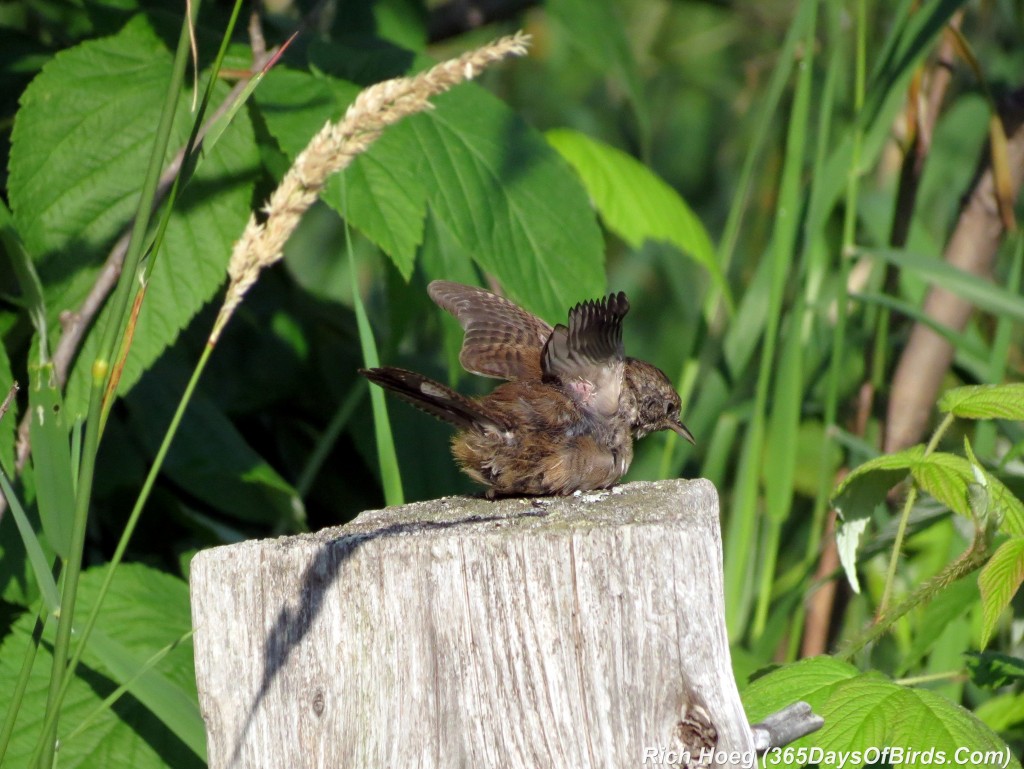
point(668, 409)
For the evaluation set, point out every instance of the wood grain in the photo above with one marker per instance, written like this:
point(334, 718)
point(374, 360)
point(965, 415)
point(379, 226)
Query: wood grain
point(581, 632)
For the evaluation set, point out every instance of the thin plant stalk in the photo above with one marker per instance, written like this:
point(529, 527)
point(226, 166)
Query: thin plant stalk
point(901, 530)
point(327, 439)
point(99, 372)
point(140, 503)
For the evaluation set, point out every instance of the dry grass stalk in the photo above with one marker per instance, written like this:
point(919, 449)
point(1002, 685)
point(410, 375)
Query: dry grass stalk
point(333, 148)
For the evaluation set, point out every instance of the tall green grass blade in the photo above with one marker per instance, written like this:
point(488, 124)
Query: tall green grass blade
point(386, 455)
point(984, 295)
point(818, 265)
point(100, 371)
point(36, 557)
point(719, 451)
point(387, 458)
point(787, 58)
point(51, 459)
point(985, 432)
point(909, 42)
point(780, 461)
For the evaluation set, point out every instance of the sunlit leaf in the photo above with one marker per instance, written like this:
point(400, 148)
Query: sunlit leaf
point(999, 581)
point(1002, 401)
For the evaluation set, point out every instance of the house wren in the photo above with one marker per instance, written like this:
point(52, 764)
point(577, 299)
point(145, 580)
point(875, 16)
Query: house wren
point(565, 419)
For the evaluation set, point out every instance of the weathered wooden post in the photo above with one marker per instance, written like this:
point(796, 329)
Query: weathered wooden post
point(585, 632)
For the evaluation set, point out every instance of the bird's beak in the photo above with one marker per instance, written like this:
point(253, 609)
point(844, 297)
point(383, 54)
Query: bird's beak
point(682, 429)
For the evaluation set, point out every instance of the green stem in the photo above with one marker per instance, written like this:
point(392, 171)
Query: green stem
point(971, 560)
point(140, 503)
point(327, 440)
point(946, 675)
point(901, 530)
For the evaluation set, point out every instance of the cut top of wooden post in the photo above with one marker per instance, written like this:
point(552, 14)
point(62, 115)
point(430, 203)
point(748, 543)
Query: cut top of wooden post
point(586, 631)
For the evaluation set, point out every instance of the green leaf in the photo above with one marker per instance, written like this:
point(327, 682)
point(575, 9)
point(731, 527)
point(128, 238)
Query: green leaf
point(865, 488)
point(500, 191)
point(999, 581)
point(1003, 401)
point(510, 200)
point(84, 120)
point(51, 460)
point(385, 201)
point(811, 680)
point(993, 670)
point(1002, 712)
point(391, 201)
point(868, 713)
point(634, 203)
point(147, 610)
point(1007, 504)
point(88, 120)
point(209, 457)
point(946, 477)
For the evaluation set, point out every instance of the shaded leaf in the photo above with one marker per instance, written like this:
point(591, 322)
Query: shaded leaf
point(209, 457)
point(993, 670)
point(147, 610)
point(866, 487)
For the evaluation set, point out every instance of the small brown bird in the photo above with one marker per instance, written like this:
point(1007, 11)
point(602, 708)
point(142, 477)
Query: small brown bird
point(565, 418)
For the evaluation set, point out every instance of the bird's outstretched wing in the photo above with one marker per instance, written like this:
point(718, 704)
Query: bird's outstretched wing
point(587, 357)
point(502, 340)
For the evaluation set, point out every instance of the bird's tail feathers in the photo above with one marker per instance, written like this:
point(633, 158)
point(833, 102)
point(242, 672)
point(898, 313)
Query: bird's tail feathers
point(430, 396)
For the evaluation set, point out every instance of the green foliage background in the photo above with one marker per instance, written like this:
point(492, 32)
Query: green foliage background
point(728, 165)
